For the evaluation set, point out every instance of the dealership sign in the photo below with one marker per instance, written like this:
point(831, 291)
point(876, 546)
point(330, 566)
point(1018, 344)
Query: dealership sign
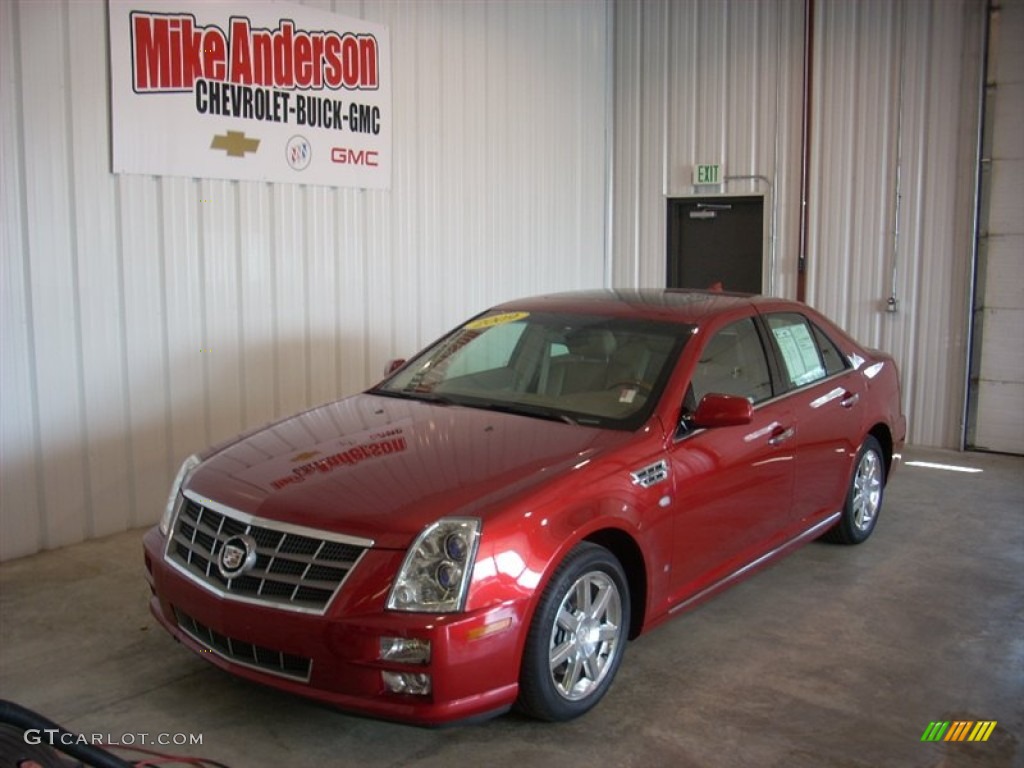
point(255, 91)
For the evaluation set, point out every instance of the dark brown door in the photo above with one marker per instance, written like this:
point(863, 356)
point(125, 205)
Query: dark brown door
point(716, 241)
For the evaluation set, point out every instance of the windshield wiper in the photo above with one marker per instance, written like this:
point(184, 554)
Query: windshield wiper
point(523, 409)
point(426, 397)
point(520, 409)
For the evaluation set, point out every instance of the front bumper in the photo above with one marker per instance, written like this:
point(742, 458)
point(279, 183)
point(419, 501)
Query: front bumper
point(335, 657)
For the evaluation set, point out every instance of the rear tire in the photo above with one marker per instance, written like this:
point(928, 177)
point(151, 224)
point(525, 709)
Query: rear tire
point(863, 498)
point(577, 637)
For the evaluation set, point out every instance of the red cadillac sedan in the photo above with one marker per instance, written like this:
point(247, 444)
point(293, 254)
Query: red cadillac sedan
point(489, 525)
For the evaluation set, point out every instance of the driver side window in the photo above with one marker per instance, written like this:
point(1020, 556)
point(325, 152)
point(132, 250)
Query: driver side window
point(733, 363)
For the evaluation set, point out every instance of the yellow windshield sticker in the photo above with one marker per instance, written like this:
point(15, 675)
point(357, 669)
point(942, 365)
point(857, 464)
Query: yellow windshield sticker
point(492, 320)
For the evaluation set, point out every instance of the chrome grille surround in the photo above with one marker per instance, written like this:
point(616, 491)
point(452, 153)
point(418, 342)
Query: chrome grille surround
point(247, 654)
point(296, 568)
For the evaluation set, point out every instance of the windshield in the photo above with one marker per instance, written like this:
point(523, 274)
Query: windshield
point(586, 369)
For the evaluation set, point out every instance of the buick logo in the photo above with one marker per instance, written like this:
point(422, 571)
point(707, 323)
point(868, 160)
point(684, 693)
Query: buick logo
point(298, 152)
point(237, 556)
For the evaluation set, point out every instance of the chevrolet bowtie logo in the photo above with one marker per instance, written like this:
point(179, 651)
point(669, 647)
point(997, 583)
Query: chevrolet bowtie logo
point(235, 143)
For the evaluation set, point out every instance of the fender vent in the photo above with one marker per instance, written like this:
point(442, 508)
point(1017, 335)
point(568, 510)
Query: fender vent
point(651, 474)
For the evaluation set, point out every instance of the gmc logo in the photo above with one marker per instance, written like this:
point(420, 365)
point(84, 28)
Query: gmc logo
point(347, 156)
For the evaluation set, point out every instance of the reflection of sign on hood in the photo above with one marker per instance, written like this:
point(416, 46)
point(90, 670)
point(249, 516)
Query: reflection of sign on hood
point(348, 457)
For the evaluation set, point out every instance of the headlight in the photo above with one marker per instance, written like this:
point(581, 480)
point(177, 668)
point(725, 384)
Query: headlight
point(186, 468)
point(435, 575)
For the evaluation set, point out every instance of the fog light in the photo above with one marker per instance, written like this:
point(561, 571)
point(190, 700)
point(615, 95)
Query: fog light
point(407, 650)
point(417, 684)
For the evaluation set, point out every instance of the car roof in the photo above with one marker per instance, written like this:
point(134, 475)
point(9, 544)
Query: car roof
point(675, 304)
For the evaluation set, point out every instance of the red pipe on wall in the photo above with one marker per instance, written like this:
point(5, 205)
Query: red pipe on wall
point(805, 150)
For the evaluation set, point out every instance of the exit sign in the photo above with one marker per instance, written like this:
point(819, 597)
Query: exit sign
point(707, 174)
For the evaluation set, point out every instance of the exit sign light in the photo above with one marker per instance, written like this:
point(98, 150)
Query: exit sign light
point(707, 174)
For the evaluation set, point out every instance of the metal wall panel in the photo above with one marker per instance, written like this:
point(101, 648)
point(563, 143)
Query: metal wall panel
point(145, 318)
point(708, 81)
point(20, 482)
point(713, 81)
point(998, 408)
point(897, 109)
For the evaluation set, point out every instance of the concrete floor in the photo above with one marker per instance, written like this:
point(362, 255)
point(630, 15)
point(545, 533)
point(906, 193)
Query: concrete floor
point(834, 656)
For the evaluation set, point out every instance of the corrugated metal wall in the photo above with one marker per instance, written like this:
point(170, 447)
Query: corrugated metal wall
point(140, 324)
point(897, 106)
point(708, 80)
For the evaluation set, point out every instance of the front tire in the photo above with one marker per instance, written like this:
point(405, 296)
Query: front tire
point(863, 498)
point(577, 637)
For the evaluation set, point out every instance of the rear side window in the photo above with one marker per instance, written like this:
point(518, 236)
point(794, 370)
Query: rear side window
point(835, 361)
point(808, 355)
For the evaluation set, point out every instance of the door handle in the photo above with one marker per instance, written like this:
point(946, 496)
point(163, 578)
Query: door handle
point(781, 435)
point(849, 400)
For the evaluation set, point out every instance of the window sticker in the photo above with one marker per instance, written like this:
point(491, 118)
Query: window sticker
point(492, 320)
point(800, 353)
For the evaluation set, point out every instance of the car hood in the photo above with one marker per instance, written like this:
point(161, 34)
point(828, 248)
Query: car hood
point(383, 468)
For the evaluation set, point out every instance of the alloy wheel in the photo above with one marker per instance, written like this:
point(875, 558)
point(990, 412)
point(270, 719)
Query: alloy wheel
point(867, 490)
point(586, 636)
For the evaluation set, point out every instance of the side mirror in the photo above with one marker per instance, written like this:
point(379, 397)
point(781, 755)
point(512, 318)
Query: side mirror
point(393, 365)
point(717, 410)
